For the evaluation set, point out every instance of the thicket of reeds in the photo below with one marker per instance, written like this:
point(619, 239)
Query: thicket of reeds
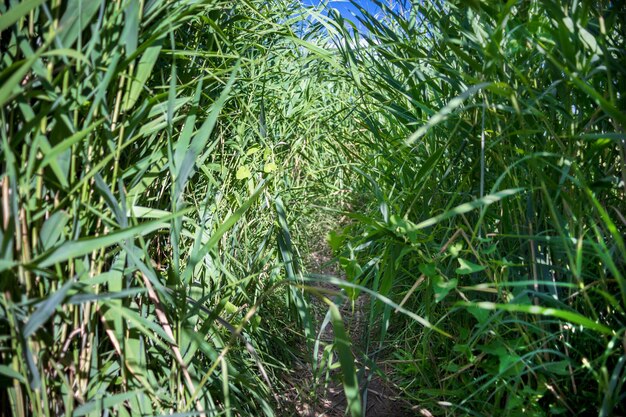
point(168, 164)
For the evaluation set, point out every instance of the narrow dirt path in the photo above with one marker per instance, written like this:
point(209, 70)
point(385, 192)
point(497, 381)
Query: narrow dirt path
point(325, 397)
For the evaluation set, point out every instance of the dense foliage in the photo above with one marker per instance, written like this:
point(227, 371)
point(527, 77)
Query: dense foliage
point(495, 183)
point(168, 164)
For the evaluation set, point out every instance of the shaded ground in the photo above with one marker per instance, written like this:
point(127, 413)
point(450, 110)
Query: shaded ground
point(326, 398)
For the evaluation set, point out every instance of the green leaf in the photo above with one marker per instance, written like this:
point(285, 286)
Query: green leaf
point(52, 229)
point(404, 228)
point(68, 53)
point(467, 207)
point(131, 26)
point(589, 40)
point(429, 269)
point(442, 114)
point(19, 10)
point(557, 368)
point(510, 364)
point(335, 239)
point(343, 283)
point(81, 247)
point(569, 316)
point(144, 325)
point(104, 403)
point(144, 69)
point(480, 314)
point(6, 264)
point(468, 267)
point(77, 16)
point(501, 89)
point(442, 287)
point(46, 309)
point(11, 373)
point(342, 346)
point(8, 86)
point(67, 144)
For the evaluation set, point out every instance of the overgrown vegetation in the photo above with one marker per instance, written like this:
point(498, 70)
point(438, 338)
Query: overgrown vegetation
point(166, 164)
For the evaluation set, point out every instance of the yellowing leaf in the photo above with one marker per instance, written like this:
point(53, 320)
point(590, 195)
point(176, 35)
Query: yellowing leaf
point(455, 249)
point(252, 150)
point(243, 172)
point(270, 167)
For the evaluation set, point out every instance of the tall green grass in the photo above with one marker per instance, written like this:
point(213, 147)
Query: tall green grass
point(495, 199)
point(147, 149)
point(167, 165)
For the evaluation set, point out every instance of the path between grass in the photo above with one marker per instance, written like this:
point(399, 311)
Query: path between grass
point(322, 395)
